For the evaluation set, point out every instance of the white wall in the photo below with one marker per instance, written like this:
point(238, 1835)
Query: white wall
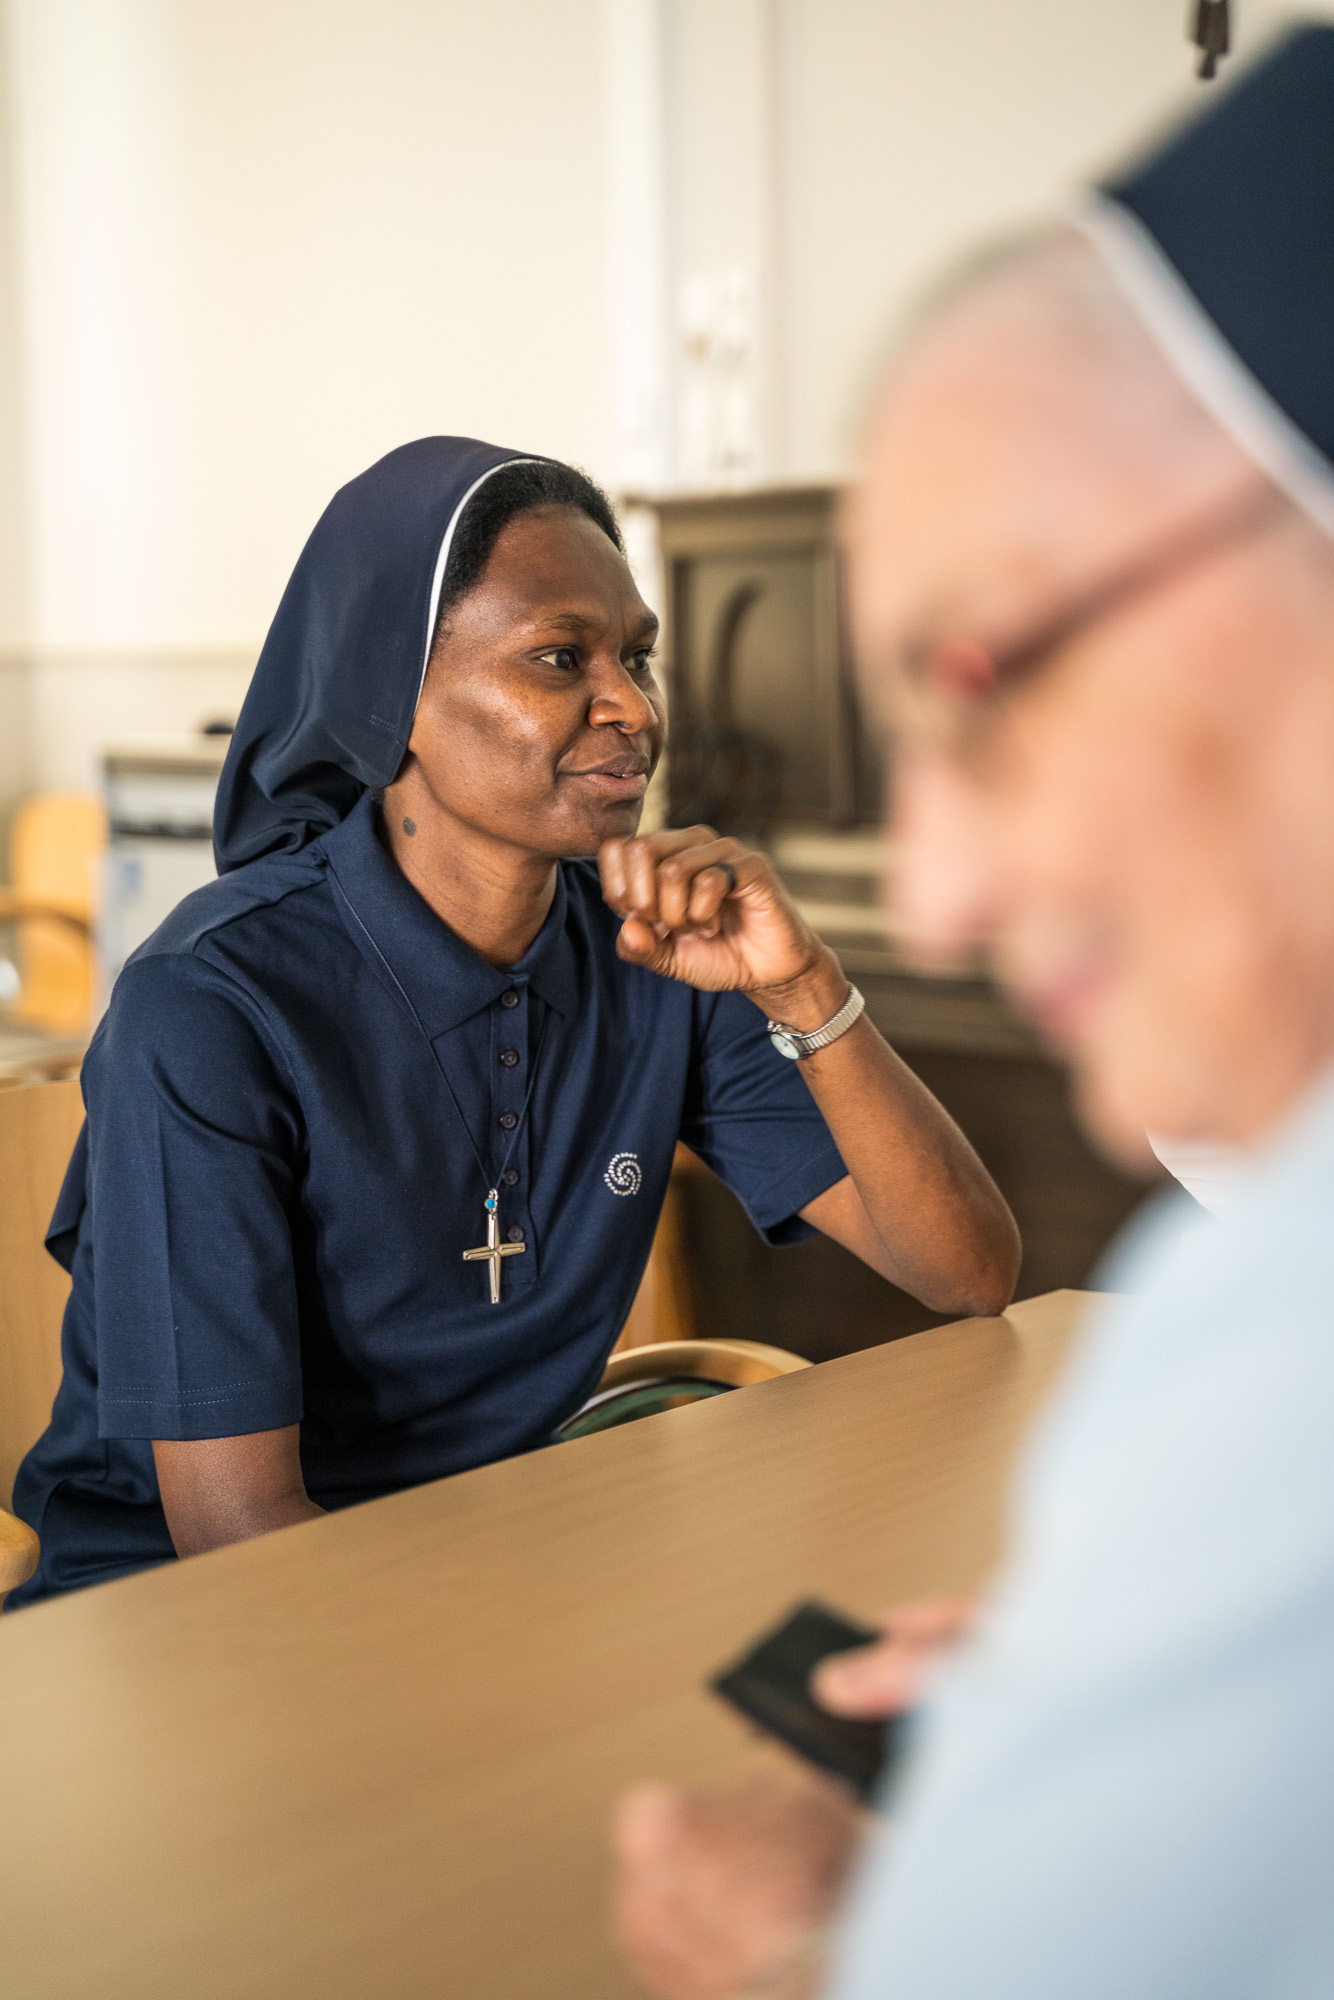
point(259, 242)
point(16, 736)
point(911, 131)
point(898, 134)
point(13, 527)
point(266, 240)
point(248, 245)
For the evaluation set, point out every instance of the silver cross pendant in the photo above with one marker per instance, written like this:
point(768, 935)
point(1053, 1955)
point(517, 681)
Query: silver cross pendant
point(491, 1252)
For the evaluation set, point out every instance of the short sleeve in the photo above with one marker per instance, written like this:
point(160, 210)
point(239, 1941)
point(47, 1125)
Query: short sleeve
point(194, 1144)
point(750, 1117)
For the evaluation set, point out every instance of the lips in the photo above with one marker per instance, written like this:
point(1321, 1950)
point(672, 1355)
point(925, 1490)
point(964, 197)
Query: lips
point(619, 778)
point(615, 767)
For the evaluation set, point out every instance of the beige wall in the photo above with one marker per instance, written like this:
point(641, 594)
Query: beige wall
point(16, 733)
point(837, 152)
point(266, 240)
point(910, 130)
point(13, 536)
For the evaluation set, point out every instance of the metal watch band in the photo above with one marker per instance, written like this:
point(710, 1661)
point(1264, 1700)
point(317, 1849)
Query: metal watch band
point(791, 1042)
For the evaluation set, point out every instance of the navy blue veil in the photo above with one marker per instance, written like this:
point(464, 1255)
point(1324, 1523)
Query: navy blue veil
point(329, 710)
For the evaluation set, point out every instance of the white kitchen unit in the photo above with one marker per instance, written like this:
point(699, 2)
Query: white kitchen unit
point(160, 811)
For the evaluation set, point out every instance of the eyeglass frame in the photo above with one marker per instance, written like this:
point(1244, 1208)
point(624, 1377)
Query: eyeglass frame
point(1240, 517)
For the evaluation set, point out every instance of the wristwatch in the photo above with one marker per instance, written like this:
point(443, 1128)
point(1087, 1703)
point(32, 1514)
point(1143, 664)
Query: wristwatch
point(792, 1043)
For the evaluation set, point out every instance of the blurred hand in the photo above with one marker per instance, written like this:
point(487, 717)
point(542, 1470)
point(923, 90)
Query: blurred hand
point(715, 1896)
point(713, 914)
point(891, 1674)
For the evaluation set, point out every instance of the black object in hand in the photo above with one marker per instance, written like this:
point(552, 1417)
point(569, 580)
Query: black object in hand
point(770, 1684)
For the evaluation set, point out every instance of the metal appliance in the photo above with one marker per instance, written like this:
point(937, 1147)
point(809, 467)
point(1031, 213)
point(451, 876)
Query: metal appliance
point(160, 814)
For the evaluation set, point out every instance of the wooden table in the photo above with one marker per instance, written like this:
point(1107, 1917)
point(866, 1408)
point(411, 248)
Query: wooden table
point(375, 1754)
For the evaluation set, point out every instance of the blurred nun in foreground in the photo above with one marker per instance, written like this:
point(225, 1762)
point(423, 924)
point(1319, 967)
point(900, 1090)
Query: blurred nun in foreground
point(1093, 588)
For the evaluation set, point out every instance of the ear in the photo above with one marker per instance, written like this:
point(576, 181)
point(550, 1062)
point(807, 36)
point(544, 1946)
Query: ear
point(427, 702)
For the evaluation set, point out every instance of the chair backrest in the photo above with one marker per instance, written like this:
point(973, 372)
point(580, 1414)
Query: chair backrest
point(662, 1309)
point(54, 843)
point(38, 1126)
point(646, 1381)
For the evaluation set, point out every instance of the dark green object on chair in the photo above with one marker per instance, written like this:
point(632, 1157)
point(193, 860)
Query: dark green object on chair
point(642, 1399)
point(646, 1381)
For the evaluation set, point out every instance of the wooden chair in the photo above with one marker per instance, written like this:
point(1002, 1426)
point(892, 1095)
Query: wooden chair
point(662, 1308)
point(54, 844)
point(38, 1126)
point(658, 1364)
point(644, 1381)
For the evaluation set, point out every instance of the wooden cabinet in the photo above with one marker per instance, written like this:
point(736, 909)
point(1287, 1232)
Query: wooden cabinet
point(756, 657)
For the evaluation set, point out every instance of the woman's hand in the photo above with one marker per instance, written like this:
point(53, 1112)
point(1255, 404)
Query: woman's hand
point(709, 912)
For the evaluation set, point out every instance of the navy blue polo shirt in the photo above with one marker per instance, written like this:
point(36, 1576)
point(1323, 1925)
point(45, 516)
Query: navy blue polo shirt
point(266, 1214)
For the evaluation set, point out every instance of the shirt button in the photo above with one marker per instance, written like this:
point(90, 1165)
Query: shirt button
point(515, 1233)
point(509, 1057)
point(510, 1177)
point(510, 998)
point(508, 1120)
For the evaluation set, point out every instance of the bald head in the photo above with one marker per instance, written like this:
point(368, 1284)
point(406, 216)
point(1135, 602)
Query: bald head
point(1141, 832)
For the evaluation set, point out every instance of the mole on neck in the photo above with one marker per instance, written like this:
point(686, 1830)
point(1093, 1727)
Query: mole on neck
point(495, 897)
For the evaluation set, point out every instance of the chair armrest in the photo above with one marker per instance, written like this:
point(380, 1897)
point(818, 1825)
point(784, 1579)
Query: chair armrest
point(16, 904)
point(19, 1550)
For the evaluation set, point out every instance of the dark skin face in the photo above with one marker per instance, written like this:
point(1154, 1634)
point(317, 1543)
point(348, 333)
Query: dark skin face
point(538, 729)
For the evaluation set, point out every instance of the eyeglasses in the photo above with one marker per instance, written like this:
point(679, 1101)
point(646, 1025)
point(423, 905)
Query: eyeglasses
point(1241, 516)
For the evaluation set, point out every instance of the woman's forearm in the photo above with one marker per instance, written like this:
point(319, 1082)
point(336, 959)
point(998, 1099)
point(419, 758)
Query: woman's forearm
point(221, 1490)
point(919, 1206)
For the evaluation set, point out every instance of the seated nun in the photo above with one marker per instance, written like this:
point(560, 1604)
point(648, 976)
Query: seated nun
point(380, 1122)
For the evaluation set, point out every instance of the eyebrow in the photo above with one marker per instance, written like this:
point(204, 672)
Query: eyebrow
point(1243, 514)
point(577, 621)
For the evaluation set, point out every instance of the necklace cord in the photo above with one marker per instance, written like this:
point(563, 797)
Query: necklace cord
point(420, 1026)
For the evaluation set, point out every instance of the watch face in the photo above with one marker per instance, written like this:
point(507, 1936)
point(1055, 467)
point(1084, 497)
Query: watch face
point(786, 1045)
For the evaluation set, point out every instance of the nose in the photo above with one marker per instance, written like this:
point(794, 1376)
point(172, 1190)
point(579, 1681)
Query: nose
point(942, 883)
point(619, 702)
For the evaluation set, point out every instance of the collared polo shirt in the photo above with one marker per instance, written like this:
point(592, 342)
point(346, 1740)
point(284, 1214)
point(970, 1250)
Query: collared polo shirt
point(302, 1090)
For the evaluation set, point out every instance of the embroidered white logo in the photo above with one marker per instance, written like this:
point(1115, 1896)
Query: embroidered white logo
point(624, 1175)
